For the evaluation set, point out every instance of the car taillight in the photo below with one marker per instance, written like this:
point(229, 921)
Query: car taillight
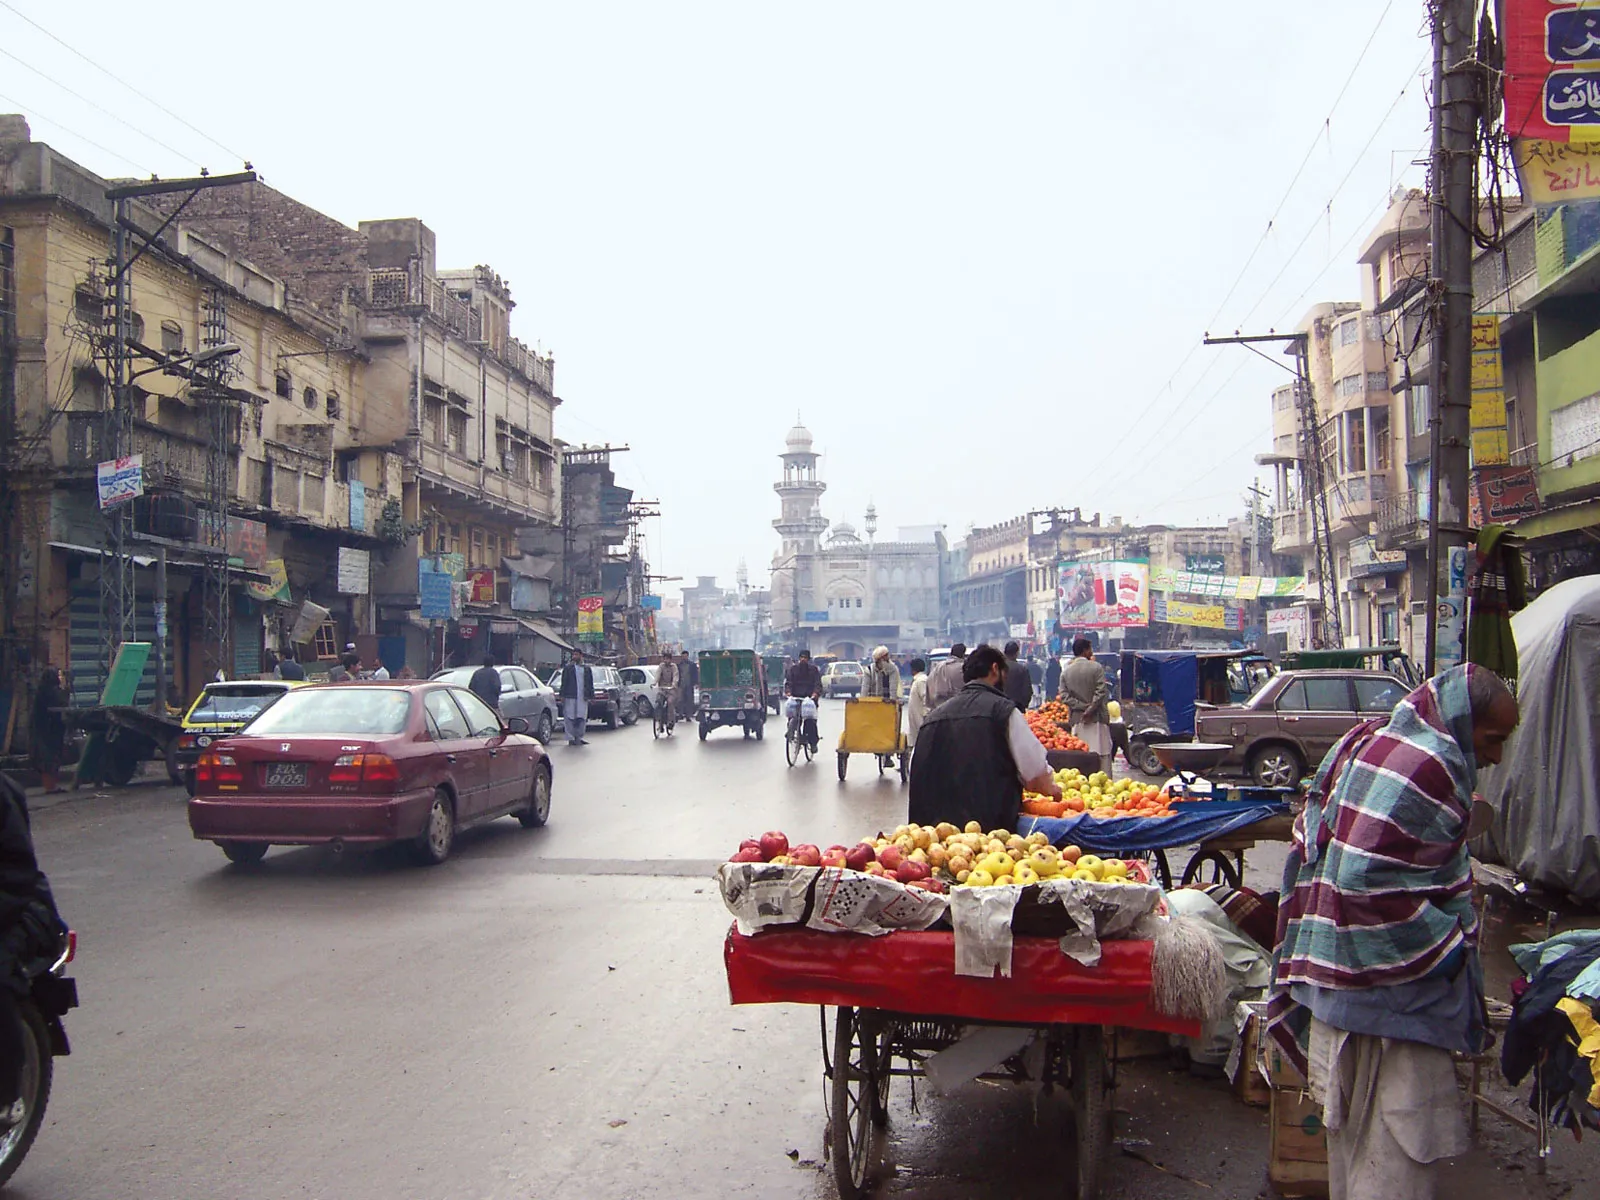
point(186, 741)
point(218, 769)
point(352, 769)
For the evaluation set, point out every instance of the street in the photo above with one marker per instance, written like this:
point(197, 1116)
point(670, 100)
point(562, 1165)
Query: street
point(544, 1012)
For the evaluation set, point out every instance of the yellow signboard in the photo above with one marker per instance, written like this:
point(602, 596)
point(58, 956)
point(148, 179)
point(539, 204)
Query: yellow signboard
point(1557, 172)
point(1489, 447)
point(277, 585)
point(1206, 616)
point(1488, 408)
point(1488, 419)
point(1486, 369)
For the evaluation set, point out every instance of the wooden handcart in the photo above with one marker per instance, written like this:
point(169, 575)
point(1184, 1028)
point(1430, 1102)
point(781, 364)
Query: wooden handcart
point(872, 726)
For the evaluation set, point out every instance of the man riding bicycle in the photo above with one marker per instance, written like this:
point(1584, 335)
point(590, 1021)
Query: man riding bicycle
point(667, 691)
point(802, 684)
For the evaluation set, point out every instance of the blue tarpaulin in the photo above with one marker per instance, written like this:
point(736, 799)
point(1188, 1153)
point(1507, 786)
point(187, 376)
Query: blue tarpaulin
point(1196, 821)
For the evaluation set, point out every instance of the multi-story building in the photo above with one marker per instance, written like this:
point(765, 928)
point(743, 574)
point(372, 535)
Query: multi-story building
point(467, 407)
point(844, 594)
point(267, 465)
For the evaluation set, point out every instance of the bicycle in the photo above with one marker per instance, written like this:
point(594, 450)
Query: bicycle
point(664, 716)
point(795, 742)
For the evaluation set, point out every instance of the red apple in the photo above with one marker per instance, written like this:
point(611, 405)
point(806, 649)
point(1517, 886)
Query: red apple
point(834, 860)
point(773, 844)
point(857, 857)
point(748, 855)
point(875, 868)
point(806, 856)
point(910, 869)
point(751, 844)
point(928, 885)
point(891, 857)
point(836, 849)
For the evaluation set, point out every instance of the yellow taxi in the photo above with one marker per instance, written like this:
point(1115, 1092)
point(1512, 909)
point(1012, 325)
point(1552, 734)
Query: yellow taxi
point(222, 709)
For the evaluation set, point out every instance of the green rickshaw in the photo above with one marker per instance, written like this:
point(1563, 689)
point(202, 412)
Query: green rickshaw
point(731, 692)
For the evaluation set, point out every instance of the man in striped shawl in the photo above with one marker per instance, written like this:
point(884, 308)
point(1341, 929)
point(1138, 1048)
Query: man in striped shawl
point(1377, 977)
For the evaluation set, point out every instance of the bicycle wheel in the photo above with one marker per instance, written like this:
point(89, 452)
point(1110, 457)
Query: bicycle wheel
point(791, 746)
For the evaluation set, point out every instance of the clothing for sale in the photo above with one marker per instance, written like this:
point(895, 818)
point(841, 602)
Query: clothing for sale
point(1392, 1110)
point(1547, 1030)
point(1377, 888)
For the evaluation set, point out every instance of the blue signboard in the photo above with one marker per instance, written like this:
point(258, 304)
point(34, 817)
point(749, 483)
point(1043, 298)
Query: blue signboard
point(814, 617)
point(434, 590)
point(650, 603)
point(358, 506)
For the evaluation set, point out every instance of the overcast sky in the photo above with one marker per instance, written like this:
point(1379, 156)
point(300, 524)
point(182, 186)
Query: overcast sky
point(974, 247)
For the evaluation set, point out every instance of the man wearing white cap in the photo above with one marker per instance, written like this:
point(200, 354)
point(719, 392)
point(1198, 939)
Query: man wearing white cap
point(883, 677)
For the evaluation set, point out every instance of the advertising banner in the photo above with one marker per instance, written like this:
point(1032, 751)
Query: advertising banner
point(306, 623)
point(276, 589)
point(1558, 172)
point(480, 583)
point(1367, 560)
point(1502, 494)
point(1294, 624)
point(1552, 78)
point(1488, 418)
point(435, 590)
point(591, 618)
point(247, 541)
point(1104, 595)
point(650, 603)
point(355, 572)
point(119, 480)
point(1452, 612)
point(358, 506)
point(1205, 564)
point(1201, 616)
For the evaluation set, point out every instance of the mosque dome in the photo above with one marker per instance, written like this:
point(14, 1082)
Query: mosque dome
point(844, 532)
point(799, 440)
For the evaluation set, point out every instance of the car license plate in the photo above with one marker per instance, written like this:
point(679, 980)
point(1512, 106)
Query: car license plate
point(283, 775)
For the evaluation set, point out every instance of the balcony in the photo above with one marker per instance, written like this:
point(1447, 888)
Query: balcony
point(1291, 531)
point(406, 288)
point(474, 482)
point(1402, 520)
point(172, 462)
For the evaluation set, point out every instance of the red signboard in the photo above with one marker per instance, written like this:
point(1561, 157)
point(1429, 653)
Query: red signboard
point(482, 582)
point(1552, 81)
point(1502, 494)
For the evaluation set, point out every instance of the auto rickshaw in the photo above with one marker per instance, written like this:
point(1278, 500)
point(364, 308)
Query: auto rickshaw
point(1390, 659)
point(777, 667)
point(731, 692)
point(1158, 691)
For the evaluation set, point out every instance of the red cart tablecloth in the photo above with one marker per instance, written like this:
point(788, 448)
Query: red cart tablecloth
point(915, 973)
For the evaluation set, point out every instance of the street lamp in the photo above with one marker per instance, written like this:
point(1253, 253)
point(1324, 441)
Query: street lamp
point(196, 358)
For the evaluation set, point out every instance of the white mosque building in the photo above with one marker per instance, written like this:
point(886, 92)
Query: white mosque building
point(839, 594)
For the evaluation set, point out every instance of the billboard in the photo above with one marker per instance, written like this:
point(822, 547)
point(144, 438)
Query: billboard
point(1112, 594)
point(1552, 70)
point(119, 480)
point(591, 618)
point(481, 582)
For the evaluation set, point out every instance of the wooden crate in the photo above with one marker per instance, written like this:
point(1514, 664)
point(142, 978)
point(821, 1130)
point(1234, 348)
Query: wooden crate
point(1249, 1083)
point(1299, 1163)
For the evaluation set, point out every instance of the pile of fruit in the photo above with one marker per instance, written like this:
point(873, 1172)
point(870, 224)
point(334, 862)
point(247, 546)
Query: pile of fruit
point(1047, 724)
point(1100, 795)
point(941, 856)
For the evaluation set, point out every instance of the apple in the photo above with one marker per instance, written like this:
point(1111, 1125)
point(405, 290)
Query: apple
point(859, 857)
point(836, 849)
point(748, 854)
point(751, 844)
point(773, 844)
point(891, 856)
point(834, 860)
point(875, 868)
point(806, 856)
point(910, 869)
point(928, 885)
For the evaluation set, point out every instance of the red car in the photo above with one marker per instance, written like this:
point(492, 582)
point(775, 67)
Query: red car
point(367, 764)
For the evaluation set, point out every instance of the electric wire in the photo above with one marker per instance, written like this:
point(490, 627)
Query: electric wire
point(6, 4)
point(82, 137)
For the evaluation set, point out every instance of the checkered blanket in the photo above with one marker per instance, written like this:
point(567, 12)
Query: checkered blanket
point(1377, 889)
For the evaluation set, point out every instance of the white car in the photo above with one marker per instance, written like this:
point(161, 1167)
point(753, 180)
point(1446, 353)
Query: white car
point(639, 687)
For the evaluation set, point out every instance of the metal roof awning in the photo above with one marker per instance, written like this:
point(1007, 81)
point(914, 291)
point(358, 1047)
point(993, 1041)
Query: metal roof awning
point(540, 629)
point(531, 566)
point(147, 560)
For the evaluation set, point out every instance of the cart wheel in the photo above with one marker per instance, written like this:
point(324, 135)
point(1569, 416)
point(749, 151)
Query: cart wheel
point(1163, 869)
point(1091, 1107)
point(1222, 871)
point(844, 764)
point(856, 1054)
point(905, 766)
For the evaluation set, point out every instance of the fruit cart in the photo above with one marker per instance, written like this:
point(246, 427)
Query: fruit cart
point(872, 726)
point(898, 1004)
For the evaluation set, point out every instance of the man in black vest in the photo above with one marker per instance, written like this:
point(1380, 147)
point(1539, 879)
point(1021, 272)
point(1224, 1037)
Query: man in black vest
point(576, 690)
point(975, 753)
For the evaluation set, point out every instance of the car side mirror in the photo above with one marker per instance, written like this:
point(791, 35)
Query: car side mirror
point(517, 725)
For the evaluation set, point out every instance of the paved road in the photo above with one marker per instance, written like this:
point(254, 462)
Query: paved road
point(545, 1012)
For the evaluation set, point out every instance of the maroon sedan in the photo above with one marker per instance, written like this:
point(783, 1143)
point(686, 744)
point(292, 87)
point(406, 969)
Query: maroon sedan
point(368, 763)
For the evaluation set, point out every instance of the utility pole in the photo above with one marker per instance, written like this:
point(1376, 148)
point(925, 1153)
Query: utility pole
point(1457, 99)
point(1312, 484)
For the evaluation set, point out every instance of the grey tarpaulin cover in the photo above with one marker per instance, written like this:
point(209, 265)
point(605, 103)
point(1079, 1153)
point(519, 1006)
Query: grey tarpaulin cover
point(1546, 791)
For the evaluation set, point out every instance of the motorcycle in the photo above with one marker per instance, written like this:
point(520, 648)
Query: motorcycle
point(51, 994)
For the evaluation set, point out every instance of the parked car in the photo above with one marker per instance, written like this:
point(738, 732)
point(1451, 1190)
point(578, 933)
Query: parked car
point(219, 710)
point(522, 694)
point(368, 764)
point(639, 684)
point(1294, 719)
point(842, 679)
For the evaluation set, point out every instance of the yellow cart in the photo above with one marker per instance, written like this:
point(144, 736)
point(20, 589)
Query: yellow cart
point(872, 726)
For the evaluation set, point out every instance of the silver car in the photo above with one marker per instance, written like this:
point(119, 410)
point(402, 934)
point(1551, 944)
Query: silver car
point(639, 685)
point(522, 694)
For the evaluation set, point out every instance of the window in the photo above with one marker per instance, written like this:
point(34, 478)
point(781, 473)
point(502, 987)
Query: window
point(858, 601)
point(1377, 381)
point(475, 555)
point(1418, 409)
point(519, 680)
point(283, 385)
point(136, 327)
point(458, 432)
point(1316, 695)
point(309, 397)
point(1355, 440)
point(333, 405)
point(481, 719)
point(433, 421)
point(445, 721)
point(1350, 385)
point(1350, 331)
point(1379, 418)
point(1379, 695)
point(87, 305)
point(171, 338)
point(326, 640)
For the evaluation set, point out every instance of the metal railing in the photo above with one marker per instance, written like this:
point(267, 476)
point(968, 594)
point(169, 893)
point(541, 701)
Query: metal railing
point(1398, 513)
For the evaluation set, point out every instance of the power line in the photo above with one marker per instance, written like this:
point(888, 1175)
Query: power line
point(118, 79)
point(84, 138)
point(100, 108)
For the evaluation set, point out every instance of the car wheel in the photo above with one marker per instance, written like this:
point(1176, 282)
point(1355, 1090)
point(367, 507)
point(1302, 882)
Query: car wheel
point(188, 781)
point(630, 714)
point(1145, 760)
point(611, 717)
point(538, 810)
point(174, 770)
point(547, 728)
point(438, 834)
point(642, 707)
point(1275, 766)
point(244, 853)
